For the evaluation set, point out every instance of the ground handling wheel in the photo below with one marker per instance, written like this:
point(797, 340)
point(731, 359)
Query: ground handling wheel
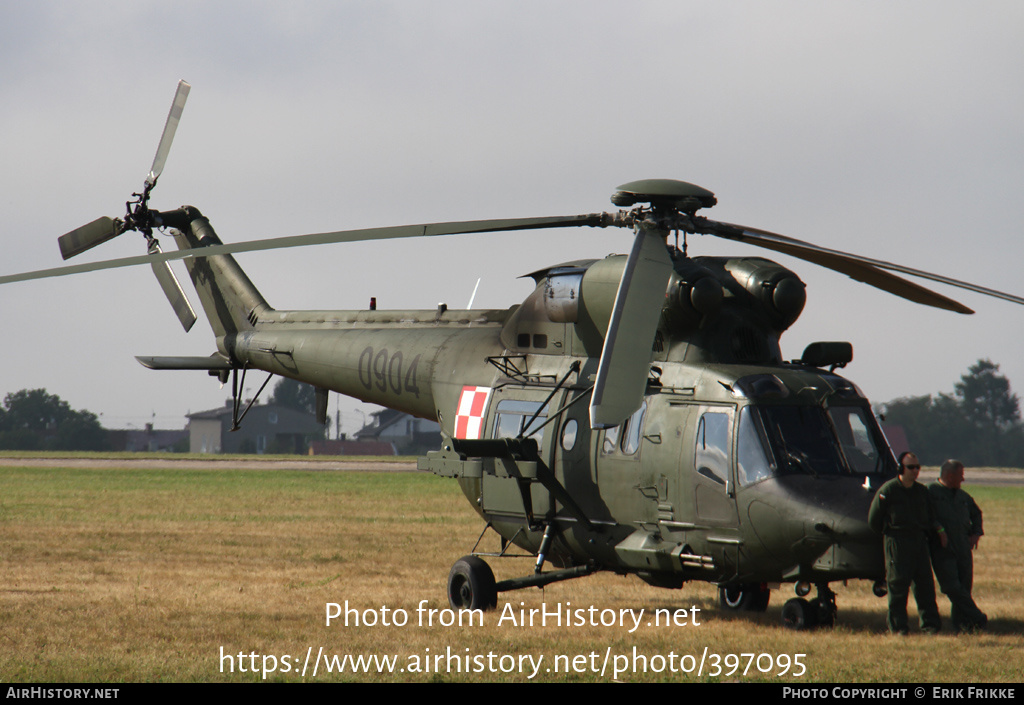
point(471, 585)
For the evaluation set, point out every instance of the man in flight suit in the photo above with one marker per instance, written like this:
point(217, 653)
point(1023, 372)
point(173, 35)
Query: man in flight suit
point(902, 511)
point(954, 564)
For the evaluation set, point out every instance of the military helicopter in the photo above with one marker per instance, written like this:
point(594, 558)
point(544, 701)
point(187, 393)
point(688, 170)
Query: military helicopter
point(633, 414)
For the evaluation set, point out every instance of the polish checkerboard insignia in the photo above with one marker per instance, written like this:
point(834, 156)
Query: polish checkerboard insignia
point(469, 416)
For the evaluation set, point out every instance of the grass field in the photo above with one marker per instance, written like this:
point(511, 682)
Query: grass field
point(171, 575)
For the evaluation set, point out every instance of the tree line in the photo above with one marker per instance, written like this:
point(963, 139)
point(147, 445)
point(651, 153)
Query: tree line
point(32, 419)
point(979, 423)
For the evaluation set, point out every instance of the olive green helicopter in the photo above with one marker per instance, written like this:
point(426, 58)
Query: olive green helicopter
point(633, 414)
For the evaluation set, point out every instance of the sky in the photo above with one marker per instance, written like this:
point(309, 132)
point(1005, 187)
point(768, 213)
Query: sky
point(890, 130)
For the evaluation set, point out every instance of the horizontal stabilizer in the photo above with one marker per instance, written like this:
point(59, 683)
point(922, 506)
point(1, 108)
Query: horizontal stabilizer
point(213, 362)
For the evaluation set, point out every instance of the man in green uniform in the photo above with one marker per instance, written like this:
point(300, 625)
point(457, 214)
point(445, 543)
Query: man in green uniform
point(903, 512)
point(954, 565)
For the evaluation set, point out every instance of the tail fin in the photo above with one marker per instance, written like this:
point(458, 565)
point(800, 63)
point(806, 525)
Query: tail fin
point(231, 302)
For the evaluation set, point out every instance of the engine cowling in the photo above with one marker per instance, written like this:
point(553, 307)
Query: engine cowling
point(779, 291)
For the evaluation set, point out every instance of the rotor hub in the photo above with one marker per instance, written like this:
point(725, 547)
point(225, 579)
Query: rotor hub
point(664, 194)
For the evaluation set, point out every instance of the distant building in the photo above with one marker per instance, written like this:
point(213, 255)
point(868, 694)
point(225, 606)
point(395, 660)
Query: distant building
point(266, 428)
point(409, 434)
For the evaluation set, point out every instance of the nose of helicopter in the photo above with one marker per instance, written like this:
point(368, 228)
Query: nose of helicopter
point(817, 528)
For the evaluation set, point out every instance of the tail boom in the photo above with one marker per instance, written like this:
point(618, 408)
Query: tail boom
point(231, 301)
point(413, 361)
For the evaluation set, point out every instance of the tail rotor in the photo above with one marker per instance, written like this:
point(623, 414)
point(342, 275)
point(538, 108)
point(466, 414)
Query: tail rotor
point(139, 218)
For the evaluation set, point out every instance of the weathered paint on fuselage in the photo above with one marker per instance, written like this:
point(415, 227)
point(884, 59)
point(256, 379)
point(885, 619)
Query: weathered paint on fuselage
point(651, 507)
point(413, 361)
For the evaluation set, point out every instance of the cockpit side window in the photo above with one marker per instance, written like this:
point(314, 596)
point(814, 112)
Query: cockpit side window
point(712, 453)
point(751, 460)
point(853, 428)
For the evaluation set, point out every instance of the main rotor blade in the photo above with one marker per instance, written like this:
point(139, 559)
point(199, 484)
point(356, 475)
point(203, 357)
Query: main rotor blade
point(863, 269)
point(170, 127)
point(626, 356)
point(88, 236)
point(401, 231)
point(172, 290)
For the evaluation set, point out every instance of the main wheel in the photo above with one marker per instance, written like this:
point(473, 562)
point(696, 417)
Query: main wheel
point(471, 585)
point(750, 597)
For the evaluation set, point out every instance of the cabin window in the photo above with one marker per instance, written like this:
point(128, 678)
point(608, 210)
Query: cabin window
point(712, 456)
point(569, 432)
point(626, 436)
point(611, 440)
point(512, 417)
point(635, 424)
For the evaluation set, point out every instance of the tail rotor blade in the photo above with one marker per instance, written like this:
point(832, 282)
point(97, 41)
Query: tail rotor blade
point(170, 127)
point(88, 236)
point(172, 289)
point(626, 356)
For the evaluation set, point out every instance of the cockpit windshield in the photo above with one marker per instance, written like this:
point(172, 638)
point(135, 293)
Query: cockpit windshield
point(808, 440)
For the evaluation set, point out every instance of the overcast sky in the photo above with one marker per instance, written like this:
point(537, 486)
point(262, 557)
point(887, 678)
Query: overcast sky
point(888, 129)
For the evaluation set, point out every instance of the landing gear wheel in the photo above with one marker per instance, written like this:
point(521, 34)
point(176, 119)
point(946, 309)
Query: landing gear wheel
point(749, 597)
point(471, 585)
point(761, 597)
point(798, 614)
point(824, 613)
point(824, 607)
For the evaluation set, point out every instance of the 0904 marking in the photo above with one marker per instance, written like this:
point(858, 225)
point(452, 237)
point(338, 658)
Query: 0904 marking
point(383, 370)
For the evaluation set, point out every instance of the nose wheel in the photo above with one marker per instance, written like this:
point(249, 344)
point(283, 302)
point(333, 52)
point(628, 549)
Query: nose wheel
point(800, 613)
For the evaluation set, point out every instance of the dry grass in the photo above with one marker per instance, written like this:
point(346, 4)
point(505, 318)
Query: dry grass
point(132, 575)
